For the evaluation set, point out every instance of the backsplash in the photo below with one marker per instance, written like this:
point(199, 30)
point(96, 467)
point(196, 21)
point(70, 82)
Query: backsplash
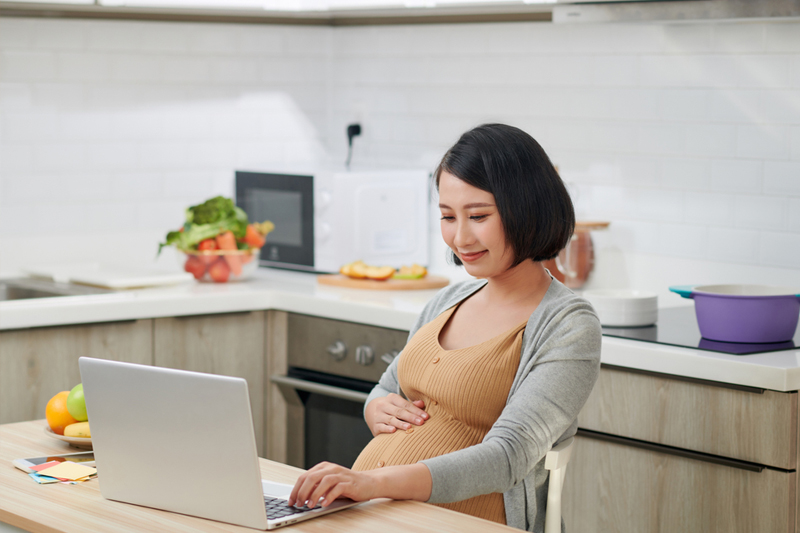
point(685, 136)
point(110, 129)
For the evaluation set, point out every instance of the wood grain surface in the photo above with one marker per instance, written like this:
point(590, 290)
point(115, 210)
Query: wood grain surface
point(229, 344)
point(58, 508)
point(760, 428)
point(426, 283)
point(37, 363)
point(612, 488)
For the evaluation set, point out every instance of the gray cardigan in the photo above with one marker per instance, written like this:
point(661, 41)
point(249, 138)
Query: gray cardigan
point(558, 367)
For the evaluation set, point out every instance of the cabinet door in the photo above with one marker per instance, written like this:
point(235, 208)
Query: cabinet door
point(37, 363)
point(612, 487)
point(753, 425)
point(230, 344)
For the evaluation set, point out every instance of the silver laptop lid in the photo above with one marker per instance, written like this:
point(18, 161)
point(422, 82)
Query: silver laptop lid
point(174, 440)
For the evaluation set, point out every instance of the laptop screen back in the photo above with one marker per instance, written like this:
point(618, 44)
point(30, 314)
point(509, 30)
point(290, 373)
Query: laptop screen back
point(174, 440)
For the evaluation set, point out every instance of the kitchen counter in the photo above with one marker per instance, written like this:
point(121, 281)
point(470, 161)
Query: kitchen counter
point(268, 289)
point(299, 293)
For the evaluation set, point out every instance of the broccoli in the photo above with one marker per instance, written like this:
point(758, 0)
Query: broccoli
point(211, 211)
point(206, 221)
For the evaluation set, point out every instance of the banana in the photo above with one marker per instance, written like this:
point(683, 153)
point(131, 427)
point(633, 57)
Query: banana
point(81, 429)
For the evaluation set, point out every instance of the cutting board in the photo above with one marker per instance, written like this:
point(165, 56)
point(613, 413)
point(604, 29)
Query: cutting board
point(428, 282)
point(108, 277)
point(119, 279)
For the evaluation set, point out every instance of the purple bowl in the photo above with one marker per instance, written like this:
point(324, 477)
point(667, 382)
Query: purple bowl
point(744, 313)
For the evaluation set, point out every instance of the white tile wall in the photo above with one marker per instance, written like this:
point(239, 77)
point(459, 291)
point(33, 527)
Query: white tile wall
point(117, 126)
point(685, 136)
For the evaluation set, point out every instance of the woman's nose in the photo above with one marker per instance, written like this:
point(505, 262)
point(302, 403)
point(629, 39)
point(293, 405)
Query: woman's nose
point(463, 236)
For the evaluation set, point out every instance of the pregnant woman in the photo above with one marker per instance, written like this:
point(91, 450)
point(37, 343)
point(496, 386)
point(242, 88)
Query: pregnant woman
point(496, 369)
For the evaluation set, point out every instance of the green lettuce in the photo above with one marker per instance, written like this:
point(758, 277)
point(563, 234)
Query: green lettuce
point(206, 221)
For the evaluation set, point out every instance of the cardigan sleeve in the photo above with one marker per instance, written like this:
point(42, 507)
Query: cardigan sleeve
point(562, 373)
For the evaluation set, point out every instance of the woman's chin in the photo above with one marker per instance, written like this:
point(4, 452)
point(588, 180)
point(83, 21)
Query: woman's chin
point(476, 271)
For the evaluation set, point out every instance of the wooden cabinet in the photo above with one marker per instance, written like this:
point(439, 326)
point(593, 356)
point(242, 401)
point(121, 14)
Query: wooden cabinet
point(743, 423)
point(662, 453)
point(613, 487)
point(37, 363)
point(230, 344)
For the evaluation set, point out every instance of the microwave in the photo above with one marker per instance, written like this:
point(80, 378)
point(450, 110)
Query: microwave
point(326, 219)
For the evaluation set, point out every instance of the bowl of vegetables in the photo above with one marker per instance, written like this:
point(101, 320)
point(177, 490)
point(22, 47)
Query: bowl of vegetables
point(217, 241)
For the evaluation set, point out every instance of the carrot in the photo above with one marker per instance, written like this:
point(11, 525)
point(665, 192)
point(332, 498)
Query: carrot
point(253, 237)
point(226, 241)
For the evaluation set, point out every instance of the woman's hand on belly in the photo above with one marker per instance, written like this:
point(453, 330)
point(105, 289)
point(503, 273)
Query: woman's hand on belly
point(328, 481)
point(389, 413)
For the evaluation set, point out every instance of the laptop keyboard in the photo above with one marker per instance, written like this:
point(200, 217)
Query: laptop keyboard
point(278, 508)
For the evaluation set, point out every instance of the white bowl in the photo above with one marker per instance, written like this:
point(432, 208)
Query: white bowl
point(624, 307)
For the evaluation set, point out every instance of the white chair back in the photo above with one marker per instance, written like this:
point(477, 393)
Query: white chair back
point(556, 462)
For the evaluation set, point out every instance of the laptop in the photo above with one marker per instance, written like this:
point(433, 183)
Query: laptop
point(182, 442)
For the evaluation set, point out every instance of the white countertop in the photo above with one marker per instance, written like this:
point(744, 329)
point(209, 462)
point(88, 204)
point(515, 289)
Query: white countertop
point(299, 293)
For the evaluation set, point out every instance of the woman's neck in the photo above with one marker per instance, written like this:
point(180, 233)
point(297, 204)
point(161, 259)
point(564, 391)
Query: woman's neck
point(525, 284)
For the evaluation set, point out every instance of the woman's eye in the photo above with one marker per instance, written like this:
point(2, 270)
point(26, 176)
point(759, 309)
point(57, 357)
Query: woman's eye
point(447, 217)
point(477, 217)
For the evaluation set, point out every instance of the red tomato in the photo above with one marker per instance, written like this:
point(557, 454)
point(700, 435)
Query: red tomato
point(219, 270)
point(195, 266)
point(208, 244)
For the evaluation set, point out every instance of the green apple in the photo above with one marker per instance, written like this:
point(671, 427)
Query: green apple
point(76, 404)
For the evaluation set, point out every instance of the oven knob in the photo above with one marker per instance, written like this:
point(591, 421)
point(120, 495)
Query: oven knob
point(389, 356)
point(365, 355)
point(338, 350)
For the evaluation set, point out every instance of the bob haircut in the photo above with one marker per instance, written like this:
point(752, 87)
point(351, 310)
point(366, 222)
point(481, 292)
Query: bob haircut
point(532, 201)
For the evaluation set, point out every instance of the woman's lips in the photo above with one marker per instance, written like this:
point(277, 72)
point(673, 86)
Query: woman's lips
point(470, 257)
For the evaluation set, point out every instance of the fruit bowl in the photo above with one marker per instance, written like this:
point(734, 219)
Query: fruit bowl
point(83, 443)
point(219, 266)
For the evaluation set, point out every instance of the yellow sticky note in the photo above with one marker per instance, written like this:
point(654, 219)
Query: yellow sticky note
point(68, 470)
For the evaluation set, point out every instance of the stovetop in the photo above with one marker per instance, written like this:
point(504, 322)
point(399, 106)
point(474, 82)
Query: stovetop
point(677, 326)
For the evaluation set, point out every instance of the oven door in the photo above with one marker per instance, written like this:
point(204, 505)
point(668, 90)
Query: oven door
point(331, 424)
point(288, 202)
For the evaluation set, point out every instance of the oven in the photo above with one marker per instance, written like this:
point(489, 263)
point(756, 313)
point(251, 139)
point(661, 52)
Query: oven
point(332, 365)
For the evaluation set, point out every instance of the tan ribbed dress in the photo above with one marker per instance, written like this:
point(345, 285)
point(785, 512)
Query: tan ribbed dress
point(464, 391)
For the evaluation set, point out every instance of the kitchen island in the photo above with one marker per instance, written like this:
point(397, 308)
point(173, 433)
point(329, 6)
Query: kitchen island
point(671, 438)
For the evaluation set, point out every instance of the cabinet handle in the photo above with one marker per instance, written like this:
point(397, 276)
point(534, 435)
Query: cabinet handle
point(698, 381)
point(670, 450)
point(209, 315)
point(318, 388)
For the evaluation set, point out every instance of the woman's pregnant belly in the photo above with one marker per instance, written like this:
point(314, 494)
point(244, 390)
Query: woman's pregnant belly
point(439, 435)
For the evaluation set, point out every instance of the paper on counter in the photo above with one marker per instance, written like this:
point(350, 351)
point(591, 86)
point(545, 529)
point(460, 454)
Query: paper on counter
point(69, 471)
point(44, 466)
point(42, 480)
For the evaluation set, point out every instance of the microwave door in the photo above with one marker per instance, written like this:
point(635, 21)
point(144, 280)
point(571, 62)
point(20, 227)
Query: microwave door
point(286, 201)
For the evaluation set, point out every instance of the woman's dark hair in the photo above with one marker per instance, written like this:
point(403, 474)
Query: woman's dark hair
point(533, 203)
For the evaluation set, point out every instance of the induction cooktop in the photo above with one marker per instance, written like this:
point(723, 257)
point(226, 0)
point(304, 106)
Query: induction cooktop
point(677, 326)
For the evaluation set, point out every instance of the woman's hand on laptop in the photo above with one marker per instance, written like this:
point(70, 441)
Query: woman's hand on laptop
point(329, 481)
point(389, 413)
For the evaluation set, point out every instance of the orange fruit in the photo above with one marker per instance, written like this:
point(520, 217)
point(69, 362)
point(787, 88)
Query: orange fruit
point(56, 413)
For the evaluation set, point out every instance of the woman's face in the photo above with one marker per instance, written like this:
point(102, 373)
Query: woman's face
point(472, 228)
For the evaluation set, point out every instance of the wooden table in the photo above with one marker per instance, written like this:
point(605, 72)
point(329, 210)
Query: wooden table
point(80, 508)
